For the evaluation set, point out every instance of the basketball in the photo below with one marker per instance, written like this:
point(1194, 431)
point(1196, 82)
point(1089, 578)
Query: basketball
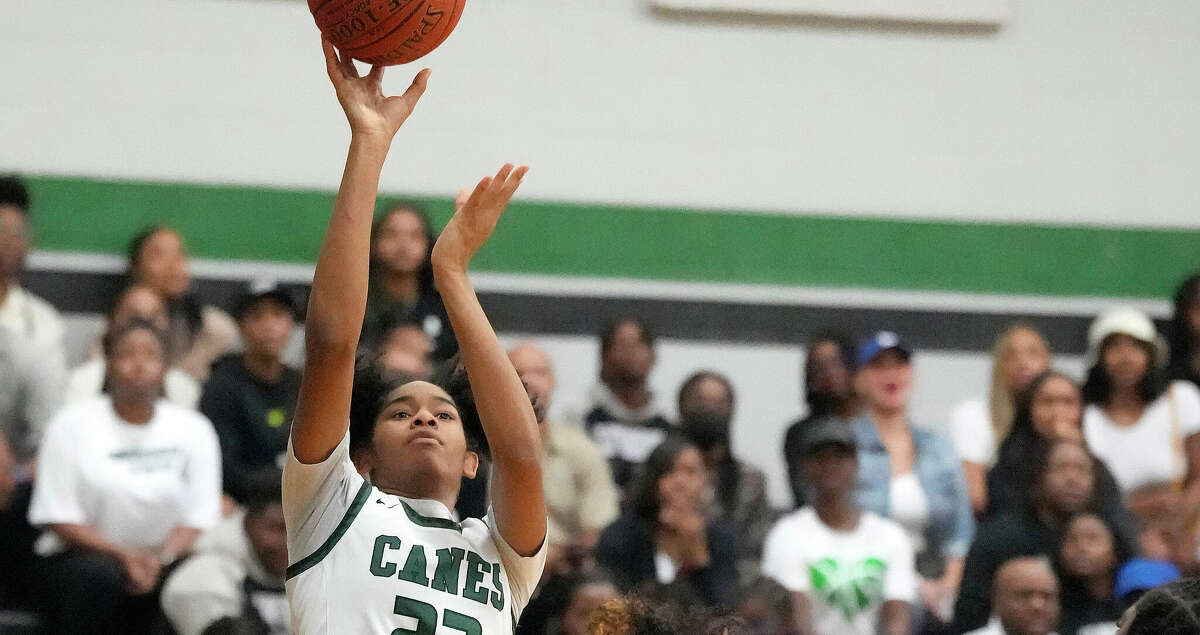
point(386, 31)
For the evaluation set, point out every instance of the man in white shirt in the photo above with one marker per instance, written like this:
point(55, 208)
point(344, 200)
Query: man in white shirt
point(849, 571)
point(1024, 599)
point(237, 571)
point(27, 318)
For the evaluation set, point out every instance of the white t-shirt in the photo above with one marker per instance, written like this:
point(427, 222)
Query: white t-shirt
point(364, 561)
point(972, 434)
point(134, 483)
point(1149, 451)
point(848, 575)
point(910, 507)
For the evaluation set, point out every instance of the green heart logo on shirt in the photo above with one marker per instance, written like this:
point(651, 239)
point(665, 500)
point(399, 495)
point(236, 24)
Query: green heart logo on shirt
point(849, 587)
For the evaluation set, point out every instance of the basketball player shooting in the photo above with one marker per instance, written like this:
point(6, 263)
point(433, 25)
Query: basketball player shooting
point(384, 554)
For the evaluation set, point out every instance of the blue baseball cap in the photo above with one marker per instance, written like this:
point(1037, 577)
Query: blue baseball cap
point(871, 347)
point(1142, 574)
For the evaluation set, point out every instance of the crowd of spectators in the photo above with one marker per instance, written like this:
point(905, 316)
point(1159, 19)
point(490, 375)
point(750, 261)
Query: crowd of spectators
point(139, 491)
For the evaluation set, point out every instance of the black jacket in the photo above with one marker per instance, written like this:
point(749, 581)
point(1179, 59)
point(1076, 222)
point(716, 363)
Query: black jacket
point(626, 549)
point(252, 418)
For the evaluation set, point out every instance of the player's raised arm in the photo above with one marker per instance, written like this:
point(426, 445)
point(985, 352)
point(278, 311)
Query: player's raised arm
point(339, 291)
point(508, 420)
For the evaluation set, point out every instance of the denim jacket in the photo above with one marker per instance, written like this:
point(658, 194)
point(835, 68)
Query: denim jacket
point(951, 523)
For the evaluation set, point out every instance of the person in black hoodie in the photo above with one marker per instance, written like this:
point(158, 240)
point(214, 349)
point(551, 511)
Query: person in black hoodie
point(664, 542)
point(251, 396)
point(1063, 485)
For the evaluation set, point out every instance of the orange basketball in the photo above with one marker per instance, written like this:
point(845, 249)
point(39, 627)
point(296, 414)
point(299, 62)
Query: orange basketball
point(386, 31)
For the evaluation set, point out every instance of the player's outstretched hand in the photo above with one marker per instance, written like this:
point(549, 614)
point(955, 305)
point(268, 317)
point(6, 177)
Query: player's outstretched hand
point(367, 109)
point(475, 216)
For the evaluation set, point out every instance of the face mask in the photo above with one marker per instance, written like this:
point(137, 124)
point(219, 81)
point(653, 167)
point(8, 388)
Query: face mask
point(706, 428)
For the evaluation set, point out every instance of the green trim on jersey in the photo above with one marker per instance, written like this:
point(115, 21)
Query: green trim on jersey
point(317, 556)
point(430, 521)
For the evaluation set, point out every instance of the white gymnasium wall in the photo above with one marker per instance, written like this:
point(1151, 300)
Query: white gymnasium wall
point(1076, 111)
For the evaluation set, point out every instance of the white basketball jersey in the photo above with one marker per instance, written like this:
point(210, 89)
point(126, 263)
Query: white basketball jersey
point(367, 562)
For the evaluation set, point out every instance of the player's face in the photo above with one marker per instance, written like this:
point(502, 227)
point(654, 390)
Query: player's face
point(418, 437)
point(266, 327)
point(401, 245)
point(163, 264)
point(136, 366)
point(142, 303)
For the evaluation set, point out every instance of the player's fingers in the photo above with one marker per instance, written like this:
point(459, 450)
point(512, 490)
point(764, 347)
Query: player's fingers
point(502, 175)
point(331, 58)
point(463, 195)
point(347, 64)
point(417, 88)
point(376, 74)
point(514, 180)
point(480, 191)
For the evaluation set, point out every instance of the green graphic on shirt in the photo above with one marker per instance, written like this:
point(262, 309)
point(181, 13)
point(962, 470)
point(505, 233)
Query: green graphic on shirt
point(276, 417)
point(849, 587)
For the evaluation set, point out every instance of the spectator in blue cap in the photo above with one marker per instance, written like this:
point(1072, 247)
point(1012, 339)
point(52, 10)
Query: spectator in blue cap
point(1139, 575)
point(909, 474)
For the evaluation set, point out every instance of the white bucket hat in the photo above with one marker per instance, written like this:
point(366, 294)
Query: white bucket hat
point(1125, 321)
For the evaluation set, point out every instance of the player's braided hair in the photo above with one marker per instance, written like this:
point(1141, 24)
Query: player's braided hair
point(1173, 609)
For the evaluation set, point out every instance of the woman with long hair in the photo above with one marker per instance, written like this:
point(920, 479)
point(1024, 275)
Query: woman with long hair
point(665, 541)
point(1063, 485)
point(1146, 429)
point(1049, 410)
point(197, 334)
point(402, 288)
point(977, 427)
